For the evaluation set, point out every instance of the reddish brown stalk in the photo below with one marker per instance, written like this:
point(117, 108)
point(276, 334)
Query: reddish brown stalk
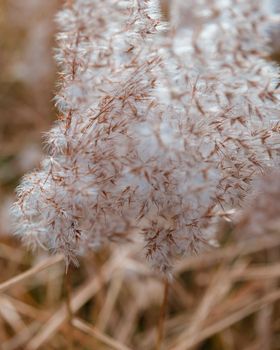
point(162, 316)
point(68, 289)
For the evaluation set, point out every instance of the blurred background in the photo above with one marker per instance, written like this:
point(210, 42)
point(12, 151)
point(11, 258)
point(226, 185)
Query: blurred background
point(227, 299)
point(27, 83)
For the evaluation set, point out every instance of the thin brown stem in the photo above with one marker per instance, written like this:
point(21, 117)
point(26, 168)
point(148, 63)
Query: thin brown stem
point(162, 315)
point(68, 289)
point(83, 294)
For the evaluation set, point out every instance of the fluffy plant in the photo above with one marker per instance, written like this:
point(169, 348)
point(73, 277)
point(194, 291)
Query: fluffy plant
point(161, 129)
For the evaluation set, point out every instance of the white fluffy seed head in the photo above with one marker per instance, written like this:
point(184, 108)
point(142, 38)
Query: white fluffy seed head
point(157, 131)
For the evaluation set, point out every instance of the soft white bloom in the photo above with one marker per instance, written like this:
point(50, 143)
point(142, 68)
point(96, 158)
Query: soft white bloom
point(159, 128)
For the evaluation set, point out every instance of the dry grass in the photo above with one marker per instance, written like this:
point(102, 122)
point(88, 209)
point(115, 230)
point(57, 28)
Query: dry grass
point(226, 299)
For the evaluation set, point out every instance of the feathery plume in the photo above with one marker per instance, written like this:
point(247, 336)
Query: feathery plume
point(159, 129)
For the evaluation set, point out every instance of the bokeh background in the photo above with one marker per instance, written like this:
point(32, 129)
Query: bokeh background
point(226, 299)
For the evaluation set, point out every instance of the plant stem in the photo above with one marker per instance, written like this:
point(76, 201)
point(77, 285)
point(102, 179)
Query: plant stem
point(162, 315)
point(68, 289)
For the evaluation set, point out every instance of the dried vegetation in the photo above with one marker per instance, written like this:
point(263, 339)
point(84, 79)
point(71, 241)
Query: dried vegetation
point(227, 298)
